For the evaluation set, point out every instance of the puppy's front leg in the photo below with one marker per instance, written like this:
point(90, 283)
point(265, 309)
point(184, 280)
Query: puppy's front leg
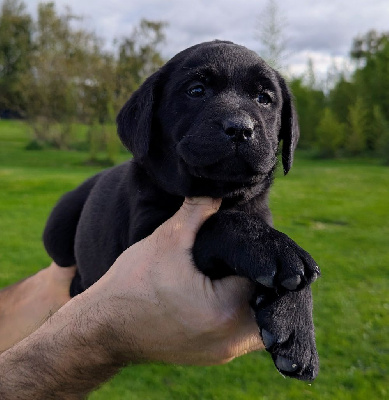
point(234, 242)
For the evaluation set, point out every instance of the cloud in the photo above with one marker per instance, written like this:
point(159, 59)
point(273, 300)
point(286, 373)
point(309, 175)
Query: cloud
point(323, 28)
point(330, 27)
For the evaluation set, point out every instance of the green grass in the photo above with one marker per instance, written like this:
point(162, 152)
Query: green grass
point(337, 210)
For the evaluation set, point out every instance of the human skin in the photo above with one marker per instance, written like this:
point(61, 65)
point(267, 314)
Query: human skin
point(27, 304)
point(152, 305)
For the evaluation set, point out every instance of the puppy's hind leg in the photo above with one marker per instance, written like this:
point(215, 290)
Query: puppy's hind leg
point(60, 230)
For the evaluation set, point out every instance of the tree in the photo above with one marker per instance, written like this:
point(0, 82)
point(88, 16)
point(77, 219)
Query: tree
point(330, 135)
point(271, 25)
point(115, 79)
point(372, 80)
point(97, 92)
point(310, 103)
point(138, 57)
point(382, 147)
point(361, 102)
point(15, 51)
point(378, 133)
point(341, 97)
point(357, 118)
point(63, 62)
point(366, 46)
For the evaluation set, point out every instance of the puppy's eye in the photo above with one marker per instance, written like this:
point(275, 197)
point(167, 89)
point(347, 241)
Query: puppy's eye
point(264, 98)
point(196, 91)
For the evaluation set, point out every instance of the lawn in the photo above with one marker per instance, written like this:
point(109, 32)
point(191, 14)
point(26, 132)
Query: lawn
point(337, 210)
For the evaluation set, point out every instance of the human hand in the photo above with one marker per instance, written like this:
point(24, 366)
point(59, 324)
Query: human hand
point(159, 307)
point(27, 304)
point(152, 305)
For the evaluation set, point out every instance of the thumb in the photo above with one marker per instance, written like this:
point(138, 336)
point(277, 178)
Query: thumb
point(192, 214)
point(196, 210)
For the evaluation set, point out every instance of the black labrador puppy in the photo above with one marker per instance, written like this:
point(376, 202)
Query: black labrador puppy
point(208, 123)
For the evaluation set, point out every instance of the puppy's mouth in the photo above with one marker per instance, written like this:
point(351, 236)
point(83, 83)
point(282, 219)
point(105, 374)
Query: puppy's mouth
point(230, 172)
point(224, 160)
point(225, 166)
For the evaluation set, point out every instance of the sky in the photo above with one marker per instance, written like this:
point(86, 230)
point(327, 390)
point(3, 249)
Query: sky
point(320, 30)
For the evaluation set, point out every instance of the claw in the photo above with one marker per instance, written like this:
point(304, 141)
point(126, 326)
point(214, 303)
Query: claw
point(259, 300)
point(291, 283)
point(267, 338)
point(267, 281)
point(283, 364)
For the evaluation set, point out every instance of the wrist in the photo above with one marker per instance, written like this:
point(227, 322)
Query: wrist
point(93, 332)
point(113, 321)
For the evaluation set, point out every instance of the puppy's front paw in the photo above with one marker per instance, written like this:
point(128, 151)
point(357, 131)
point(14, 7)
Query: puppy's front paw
point(233, 242)
point(283, 264)
point(287, 332)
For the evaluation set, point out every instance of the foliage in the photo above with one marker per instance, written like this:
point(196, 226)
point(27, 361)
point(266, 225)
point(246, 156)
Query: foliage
point(330, 135)
point(377, 128)
point(340, 98)
point(350, 115)
point(372, 80)
point(380, 135)
point(138, 57)
point(271, 34)
point(352, 118)
point(355, 143)
point(103, 138)
point(15, 50)
point(368, 45)
point(55, 73)
point(310, 103)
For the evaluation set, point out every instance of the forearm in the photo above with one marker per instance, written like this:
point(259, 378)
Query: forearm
point(67, 357)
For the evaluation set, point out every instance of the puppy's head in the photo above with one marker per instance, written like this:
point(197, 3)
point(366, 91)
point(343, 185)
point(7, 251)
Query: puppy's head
point(210, 122)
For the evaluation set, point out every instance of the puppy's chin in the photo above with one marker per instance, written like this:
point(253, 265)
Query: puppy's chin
point(235, 173)
point(229, 178)
point(200, 187)
point(237, 192)
point(226, 163)
point(237, 182)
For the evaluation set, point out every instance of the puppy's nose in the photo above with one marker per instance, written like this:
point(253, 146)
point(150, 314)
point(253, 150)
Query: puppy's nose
point(239, 130)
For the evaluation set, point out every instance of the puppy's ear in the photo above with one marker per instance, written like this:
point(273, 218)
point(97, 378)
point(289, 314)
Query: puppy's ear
point(134, 121)
point(290, 131)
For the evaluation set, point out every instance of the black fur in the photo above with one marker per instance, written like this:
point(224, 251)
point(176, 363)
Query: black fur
point(208, 123)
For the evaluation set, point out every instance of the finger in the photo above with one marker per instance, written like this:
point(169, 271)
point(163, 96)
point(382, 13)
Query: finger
point(195, 210)
point(188, 219)
point(62, 273)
